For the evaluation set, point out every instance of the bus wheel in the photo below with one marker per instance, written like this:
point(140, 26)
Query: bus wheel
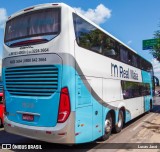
point(118, 127)
point(150, 108)
point(108, 127)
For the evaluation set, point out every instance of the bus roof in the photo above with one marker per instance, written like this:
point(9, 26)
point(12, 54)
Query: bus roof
point(37, 7)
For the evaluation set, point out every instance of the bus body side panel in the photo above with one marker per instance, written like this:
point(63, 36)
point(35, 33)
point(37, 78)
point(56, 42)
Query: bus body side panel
point(127, 116)
point(111, 92)
point(88, 111)
point(83, 124)
point(146, 78)
point(97, 85)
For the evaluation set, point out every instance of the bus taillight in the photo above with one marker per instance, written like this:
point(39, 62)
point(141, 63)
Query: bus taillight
point(64, 106)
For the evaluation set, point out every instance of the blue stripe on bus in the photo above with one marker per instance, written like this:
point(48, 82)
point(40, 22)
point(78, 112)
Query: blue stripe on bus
point(146, 78)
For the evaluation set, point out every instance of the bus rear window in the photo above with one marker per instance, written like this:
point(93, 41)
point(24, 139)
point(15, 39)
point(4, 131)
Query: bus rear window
point(45, 22)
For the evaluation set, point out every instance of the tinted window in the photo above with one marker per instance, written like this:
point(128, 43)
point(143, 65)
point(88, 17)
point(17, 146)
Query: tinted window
point(91, 38)
point(124, 55)
point(134, 89)
point(134, 61)
point(36, 23)
point(139, 62)
point(145, 65)
point(146, 89)
point(130, 58)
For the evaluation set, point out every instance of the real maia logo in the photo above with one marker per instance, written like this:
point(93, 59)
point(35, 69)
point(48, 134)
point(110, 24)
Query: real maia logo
point(119, 71)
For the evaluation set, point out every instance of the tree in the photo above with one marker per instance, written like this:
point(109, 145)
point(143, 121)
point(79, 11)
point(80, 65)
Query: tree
point(156, 49)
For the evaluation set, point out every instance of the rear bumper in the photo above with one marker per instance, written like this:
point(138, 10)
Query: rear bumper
point(61, 133)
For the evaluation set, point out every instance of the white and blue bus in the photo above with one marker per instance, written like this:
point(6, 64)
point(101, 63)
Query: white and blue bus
point(66, 80)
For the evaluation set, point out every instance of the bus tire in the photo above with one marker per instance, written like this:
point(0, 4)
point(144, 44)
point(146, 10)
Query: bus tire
point(119, 125)
point(107, 127)
point(150, 108)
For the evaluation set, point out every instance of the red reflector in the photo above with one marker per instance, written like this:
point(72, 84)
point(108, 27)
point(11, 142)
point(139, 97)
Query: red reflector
point(64, 133)
point(27, 9)
point(64, 106)
point(48, 132)
point(9, 125)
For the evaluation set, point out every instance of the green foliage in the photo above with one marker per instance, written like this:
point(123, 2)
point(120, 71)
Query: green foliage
point(156, 50)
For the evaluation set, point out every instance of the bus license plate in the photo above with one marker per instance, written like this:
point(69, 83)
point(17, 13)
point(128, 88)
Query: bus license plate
point(28, 117)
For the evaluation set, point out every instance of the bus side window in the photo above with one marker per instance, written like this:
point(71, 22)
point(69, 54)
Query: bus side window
point(139, 62)
point(123, 55)
point(134, 60)
point(110, 53)
point(134, 89)
point(130, 58)
point(110, 48)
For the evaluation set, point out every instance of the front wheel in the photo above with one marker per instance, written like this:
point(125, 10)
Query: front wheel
point(108, 127)
point(150, 107)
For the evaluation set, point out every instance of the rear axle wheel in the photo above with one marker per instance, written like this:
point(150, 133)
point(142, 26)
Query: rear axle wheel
point(107, 127)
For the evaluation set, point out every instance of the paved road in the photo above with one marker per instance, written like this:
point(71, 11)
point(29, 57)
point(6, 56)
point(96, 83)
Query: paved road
point(144, 129)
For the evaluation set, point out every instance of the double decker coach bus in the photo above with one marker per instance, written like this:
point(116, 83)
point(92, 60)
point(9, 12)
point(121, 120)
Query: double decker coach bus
point(66, 80)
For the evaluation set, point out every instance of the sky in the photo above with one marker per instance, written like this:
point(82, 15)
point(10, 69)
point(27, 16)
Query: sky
point(129, 21)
